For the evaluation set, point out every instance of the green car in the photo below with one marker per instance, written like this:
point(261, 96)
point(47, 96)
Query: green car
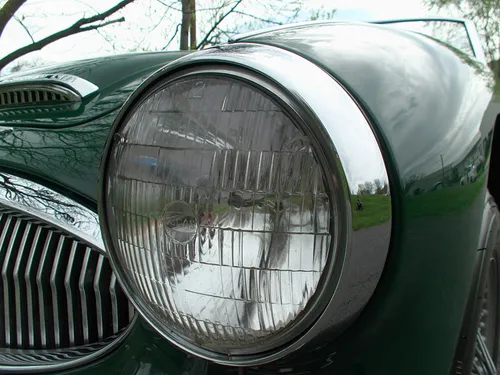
point(291, 202)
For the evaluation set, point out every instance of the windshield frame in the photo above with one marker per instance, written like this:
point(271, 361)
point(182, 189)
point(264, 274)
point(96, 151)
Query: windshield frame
point(470, 29)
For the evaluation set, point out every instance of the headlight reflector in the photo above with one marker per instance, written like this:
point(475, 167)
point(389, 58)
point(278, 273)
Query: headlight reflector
point(219, 214)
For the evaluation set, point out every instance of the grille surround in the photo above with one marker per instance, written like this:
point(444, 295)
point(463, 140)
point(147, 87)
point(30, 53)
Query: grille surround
point(60, 302)
point(36, 95)
point(37, 361)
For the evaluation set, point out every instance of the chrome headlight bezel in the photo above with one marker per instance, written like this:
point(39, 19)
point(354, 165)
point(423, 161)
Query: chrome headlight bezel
point(266, 69)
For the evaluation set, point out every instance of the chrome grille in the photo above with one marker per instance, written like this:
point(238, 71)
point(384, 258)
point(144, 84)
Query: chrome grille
point(18, 96)
point(56, 292)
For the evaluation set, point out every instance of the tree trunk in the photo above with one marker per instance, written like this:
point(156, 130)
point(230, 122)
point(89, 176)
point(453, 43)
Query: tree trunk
point(185, 25)
point(192, 29)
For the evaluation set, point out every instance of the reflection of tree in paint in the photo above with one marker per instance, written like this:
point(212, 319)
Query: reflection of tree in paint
point(37, 197)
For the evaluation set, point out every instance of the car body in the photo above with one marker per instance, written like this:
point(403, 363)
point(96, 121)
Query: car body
point(381, 103)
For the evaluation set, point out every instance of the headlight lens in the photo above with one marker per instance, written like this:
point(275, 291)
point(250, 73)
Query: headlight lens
point(218, 214)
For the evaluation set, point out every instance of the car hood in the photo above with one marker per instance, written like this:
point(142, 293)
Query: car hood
point(103, 85)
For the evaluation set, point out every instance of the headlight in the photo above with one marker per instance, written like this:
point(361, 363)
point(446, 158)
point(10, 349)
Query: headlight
point(225, 211)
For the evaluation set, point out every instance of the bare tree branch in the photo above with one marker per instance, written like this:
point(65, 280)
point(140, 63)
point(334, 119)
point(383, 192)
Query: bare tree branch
point(217, 23)
point(169, 6)
point(268, 20)
point(25, 28)
point(82, 25)
point(8, 11)
point(172, 38)
point(102, 16)
point(155, 27)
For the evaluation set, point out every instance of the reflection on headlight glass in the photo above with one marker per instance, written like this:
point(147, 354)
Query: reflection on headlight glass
point(219, 214)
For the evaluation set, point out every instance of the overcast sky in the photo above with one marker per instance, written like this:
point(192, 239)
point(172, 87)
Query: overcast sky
point(44, 17)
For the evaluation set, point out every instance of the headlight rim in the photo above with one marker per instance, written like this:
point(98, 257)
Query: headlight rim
point(185, 64)
point(318, 302)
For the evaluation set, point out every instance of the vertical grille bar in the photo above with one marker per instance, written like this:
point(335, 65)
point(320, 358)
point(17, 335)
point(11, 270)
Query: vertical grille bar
point(29, 292)
point(69, 293)
point(100, 325)
point(17, 286)
point(4, 231)
point(41, 300)
point(130, 311)
point(53, 288)
point(83, 296)
point(114, 302)
point(6, 281)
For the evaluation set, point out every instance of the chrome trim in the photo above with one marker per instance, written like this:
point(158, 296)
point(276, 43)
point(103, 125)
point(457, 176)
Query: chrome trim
point(483, 363)
point(5, 283)
point(475, 41)
point(470, 28)
point(56, 262)
point(29, 293)
point(53, 288)
point(98, 302)
point(4, 230)
point(39, 361)
point(17, 287)
point(41, 300)
point(251, 34)
point(131, 309)
point(114, 302)
point(83, 295)
point(69, 294)
point(79, 85)
point(52, 207)
point(9, 95)
point(339, 130)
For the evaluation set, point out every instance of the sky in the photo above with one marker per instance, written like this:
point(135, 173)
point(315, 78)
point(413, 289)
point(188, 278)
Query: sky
point(143, 29)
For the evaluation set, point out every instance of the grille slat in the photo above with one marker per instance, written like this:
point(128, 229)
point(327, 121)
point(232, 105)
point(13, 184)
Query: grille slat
point(83, 296)
point(55, 296)
point(69, 294)
point(17, 284)
point(29, 292)
point(100, 325)
point(114, 302)
point(6, 292)
point(41, 300)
